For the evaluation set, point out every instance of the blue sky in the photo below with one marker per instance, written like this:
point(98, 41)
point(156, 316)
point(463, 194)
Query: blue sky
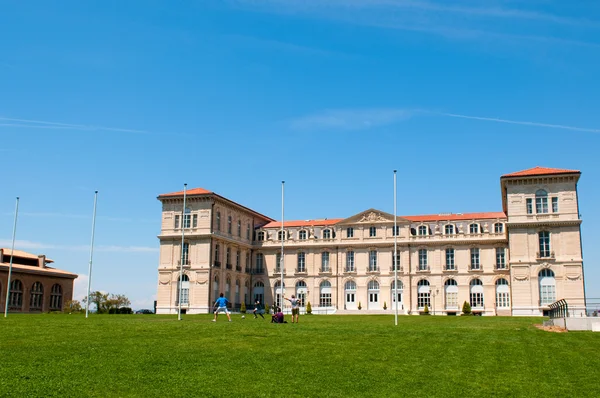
point(135, 98)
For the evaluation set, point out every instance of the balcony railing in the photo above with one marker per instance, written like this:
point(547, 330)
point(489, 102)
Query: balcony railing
point(300, 271)
point(475, 267)
point(350, 269)
point(501, 267)
point(423, 268)
point(258, 271)
point(185, 262)
point(277, 271)
point(450, 269)
point(545, 255)
point(228, 266)
point(373, 268)
point(392, 269)
point(217, 264)
point(238, 268)
point(325, 270)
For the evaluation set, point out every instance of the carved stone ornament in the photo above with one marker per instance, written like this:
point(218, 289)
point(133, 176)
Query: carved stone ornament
point(164, 279)
point(371, 217)
point(573, 273)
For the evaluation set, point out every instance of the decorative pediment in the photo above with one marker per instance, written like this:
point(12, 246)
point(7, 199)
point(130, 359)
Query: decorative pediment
point(371, 216)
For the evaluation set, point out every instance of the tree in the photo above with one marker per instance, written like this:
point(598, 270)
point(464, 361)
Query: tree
point(99, 299)
point(359, 306)
point(72, 306)
point(106, 302)
point(308, 308)
point(426, 310)
point(384, 305)
point(466, 309)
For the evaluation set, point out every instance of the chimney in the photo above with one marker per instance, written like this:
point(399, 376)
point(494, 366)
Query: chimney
point(42, 261)
point(1, 256)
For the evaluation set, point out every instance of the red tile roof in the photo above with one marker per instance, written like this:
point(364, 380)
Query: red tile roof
point(456, 217)
point(538, 170)
point(303, 223)
point(20, 254)
point(193, 191)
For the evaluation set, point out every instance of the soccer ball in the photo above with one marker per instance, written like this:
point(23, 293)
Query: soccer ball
point(243, 316)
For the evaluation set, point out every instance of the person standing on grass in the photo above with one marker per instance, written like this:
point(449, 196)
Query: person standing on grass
point(295, 307)
point(221, 304)
point(257, 309)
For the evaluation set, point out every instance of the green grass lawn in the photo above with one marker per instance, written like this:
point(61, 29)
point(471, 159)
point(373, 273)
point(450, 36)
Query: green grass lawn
point(337, 356)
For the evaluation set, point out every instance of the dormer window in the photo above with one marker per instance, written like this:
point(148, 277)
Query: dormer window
point(474, 228)
point(302, 235)
point(281, 235)
point(422, 230)
point(260, 236)
point(449, 229)
point(327, 234)
point(498, 228)
point(372, 232)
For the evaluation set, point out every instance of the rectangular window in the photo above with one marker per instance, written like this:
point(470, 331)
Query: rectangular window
point(278, 262)
point(302, 235)
point(325, 300)
point(475, 264)
point(541, 204)
point(327, 234)
point(452, 299)
point(229, 225)
point(555, 205)
point(500, 258)
point(502, 300)
point(476, 300)
point(238, 266)
point(239, 228)
point(529, 204)
point(349, 232)
point(372, 231)
point(248, 231)
point(301, 262)
point(547, 294)
point(544, 240)
point(186, 251)
point(498, 228)
point(217, 253)
point(423, 260)
point(228, 258)
point(195, 221)
point(259, 263)
point(450, 260)
point(325, 262)
point(396, 261)
point(396, 230)
point(423, 299)
point(350, 261)
point(187, 219)
point(422, 230)
point(177, 222)
point(373, 260)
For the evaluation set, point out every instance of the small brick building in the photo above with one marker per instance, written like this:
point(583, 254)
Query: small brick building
point(35, 287)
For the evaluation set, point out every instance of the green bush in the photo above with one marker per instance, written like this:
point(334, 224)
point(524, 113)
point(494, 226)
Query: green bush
point(466, 309)
point(266, 308)
point(384, 305)
point(125, 310)
point(243, 308)
point(426, 310)
point(359, 306)
point(308, 309)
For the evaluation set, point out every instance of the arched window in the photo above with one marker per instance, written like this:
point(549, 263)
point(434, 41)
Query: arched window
point(326, 234)
point(216, 287)
point(498, 228)
point(373, 291)
point(451, 293)
point(56, 298)
point(259, 291)
point(502, 293)
point(302, 235)
point(278, 292)
point(15, 298)
point(474, 229)
point(350, 295)
point(422, 230)
point(476, 293)
point(301, 291)
point(184, 289)
point(399, 292)
point(449, 229)
point(37, 297)
point(547, 287)
point(423, 294)
point(541, 201)
point(544, 244)
point(325, 294)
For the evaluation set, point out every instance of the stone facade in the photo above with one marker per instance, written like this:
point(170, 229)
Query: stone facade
point(514, 262)
point(35, 286)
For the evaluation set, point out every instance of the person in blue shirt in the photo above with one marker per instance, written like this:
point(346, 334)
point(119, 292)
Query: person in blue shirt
point(221, 305)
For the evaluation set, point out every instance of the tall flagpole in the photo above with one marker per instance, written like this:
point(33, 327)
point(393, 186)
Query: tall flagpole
point(282, 242)
point(395, 255)
point(87, 304)
point(12, 251)
point(182, 243)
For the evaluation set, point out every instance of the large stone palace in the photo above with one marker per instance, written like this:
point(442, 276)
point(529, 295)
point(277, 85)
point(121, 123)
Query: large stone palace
point(514, 262)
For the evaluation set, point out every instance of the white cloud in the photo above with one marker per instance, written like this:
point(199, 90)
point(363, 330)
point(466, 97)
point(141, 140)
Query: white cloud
point(350, 119)
point(29, 245)
point(80, 287)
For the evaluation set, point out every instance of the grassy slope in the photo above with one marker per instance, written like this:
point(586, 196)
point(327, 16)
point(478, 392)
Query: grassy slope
point(148, 355)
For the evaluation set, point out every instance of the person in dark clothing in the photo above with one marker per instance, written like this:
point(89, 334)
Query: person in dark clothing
point(258, 310)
